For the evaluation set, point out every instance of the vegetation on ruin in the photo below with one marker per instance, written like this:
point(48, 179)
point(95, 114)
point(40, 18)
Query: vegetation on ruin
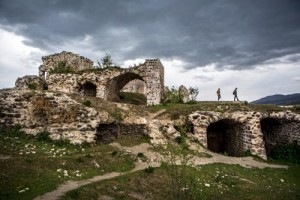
point(286, 153)
point(62, 68)
point(132, 98)
point(32, 86)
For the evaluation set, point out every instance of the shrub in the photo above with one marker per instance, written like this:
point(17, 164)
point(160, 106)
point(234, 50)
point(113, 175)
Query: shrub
point(149, 170)
point(32, 86)
point(61, 68)
point(43, 136)
point(87, 103)
point(288, 152)
point(114, 153)
point(180, 140)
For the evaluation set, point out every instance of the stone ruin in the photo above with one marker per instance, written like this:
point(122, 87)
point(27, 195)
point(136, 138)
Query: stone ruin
point(238, 132)
point(232, 132)
point(105, 84)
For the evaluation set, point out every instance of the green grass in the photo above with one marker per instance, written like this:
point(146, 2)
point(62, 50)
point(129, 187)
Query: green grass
point(177, 110)
point(132, 98)
point(39, 164)
point(214, 181)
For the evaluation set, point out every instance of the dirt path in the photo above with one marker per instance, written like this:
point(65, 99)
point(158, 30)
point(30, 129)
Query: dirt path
point(154, 160)
point(4, 157)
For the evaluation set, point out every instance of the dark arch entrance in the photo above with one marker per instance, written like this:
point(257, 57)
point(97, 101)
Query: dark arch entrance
point(89, 89)
point(278, 132)
point(225, 136)
point(116, 84)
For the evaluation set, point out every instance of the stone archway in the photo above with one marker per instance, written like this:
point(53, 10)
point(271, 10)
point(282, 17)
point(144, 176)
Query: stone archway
point(116, 84)
point(225, 136)
point(88, 89)
point(277, 132)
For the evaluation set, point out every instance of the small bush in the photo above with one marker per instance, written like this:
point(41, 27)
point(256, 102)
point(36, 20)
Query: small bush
point(32, 86)
point(61, 68)
point(288, 152)
point(180, 140)
point(79, 160)
point(62, 142)
point(43, 136)
point(246, 153)
point(87, 103)
point(149, 170)
point(114, 153)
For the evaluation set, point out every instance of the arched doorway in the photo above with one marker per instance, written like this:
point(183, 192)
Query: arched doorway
point(117, 84)
point(225, 136)
point(278, 132)
point(89, 89)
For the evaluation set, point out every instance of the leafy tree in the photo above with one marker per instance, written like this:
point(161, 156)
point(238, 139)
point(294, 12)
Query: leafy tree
point(106, 61)
point(194, 93)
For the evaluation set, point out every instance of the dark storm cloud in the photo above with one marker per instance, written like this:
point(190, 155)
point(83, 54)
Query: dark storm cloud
point(237, 32)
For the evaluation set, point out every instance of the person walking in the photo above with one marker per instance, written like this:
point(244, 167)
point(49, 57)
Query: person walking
point(235, 95)
point(219, 94)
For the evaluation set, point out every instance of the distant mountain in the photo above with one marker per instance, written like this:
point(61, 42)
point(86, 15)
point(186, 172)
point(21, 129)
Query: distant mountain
point(280, 99)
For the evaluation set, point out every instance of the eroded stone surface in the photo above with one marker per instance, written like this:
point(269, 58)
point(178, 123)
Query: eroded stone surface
point(251, 136)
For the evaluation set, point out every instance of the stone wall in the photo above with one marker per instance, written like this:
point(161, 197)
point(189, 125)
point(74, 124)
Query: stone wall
point(30, 81)
point(74, 61)
point(109, 82)
point(60, 115)
point(107, 133)
point(278, 132)
point(251, 135)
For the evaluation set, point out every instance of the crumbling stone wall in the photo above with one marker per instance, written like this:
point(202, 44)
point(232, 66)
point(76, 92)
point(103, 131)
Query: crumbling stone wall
point(184, 93)
point(109, 82)
point(30, 82)
point(279, 131)
point(74, 61)
point(107, 133)
point(251, 134)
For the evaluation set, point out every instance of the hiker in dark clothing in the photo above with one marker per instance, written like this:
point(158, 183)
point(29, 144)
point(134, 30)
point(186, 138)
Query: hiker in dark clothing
point(235, 95)
point(219, 94)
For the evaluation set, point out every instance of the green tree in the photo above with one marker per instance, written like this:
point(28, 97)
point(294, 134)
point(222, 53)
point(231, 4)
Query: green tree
point(106, 61)
point(194, 93)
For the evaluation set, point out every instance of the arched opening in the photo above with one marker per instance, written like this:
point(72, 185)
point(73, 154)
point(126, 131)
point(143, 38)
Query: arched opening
point(127, 88)
point(278, 133)
point(226, 137)
point(88, 89)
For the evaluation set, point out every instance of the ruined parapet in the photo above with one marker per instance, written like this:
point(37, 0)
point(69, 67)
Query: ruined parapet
point(30, 82)
point(257, 132)
point(184, 94)
point(74, 61)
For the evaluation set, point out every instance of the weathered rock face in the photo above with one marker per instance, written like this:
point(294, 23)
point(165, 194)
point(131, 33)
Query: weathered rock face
point(63, 117)
point(33, 82)
point(238, 132)
point(108, 83)
point(184, 93)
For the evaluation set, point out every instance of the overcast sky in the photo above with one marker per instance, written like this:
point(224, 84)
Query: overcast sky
point(250, 44)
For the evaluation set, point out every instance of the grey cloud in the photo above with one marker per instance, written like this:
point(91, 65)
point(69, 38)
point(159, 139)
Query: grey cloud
point(238, 33)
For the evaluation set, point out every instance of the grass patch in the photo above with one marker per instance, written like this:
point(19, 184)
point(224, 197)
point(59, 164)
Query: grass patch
point(213, 181)
point(132, 98)
point(32, 86)
point(39, 165)
point(87, 103)
point(177, 110)
point(129, 141)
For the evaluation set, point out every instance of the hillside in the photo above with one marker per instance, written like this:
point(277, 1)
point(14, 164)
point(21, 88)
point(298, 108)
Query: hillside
point(279, 99)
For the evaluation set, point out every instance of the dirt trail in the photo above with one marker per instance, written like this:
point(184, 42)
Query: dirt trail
point(154, 160)
point(4, 157)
